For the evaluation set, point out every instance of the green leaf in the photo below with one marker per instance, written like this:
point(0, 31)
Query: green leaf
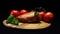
point(36, 13)
point(10, 18)
point(15, 21)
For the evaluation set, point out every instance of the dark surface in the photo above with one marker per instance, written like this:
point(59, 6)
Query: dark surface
point(7, 6)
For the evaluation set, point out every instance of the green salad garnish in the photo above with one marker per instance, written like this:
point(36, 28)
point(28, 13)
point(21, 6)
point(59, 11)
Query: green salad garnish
point(15, 21)
point(11, 19)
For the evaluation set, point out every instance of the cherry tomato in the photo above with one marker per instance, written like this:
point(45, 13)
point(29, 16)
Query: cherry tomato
point(15, 12)
point(48, 16)
point(41, 15)
point(23, 12)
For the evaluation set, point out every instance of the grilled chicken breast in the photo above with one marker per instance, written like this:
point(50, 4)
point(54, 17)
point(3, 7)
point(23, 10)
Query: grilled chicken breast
point(28, 17)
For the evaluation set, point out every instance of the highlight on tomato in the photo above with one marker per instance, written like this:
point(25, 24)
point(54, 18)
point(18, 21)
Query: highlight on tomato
point(41, 15)
point(23, 11)
point(15, 12)
point(48, 16)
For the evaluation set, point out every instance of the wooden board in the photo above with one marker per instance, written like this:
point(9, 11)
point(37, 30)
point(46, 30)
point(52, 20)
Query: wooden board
point(41, 25)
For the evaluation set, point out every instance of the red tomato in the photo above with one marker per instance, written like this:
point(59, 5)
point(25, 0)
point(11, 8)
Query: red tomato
point(23, 12)
point(48, 16)
point(14, 12)
point(41, 15)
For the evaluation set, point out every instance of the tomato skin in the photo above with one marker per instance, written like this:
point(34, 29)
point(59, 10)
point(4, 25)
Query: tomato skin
point(41, 15)
point(23, 12)
point(48, 17)
point(15, 12)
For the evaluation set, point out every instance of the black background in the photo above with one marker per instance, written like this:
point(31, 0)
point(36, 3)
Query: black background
point(7, 6)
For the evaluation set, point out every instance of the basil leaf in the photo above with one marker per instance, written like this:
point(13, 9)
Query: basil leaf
point(15, 21)
point(10, 18)
point(36, 13)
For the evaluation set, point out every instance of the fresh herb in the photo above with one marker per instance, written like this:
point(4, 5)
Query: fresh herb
point(36, 13)
point(15, 21)
point(10, 18)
